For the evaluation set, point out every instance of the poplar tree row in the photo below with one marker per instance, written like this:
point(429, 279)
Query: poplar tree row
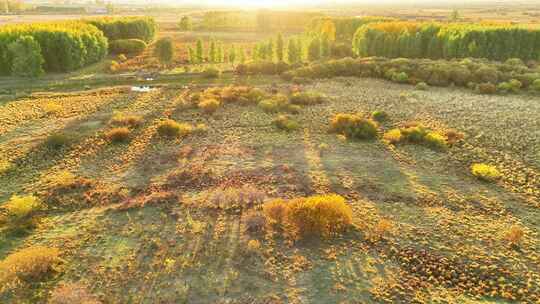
point(312, 48)
point(216, 53)
point(446, 41)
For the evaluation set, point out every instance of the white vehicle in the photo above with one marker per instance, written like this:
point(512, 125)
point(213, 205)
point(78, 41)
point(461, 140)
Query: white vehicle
point(141, 89)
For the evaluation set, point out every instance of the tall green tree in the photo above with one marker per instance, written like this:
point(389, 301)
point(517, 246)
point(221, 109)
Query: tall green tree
point(293, 51)
point(192, 55)
point(219, 52)
point(185, 24)
point(255, 52)
point(27, 58)
point(164, 50)
point(269, 52)
point(242, 55)
point(325, 46)
point(199, 51)
point(279, 47)
point(454, 16)
point(212, 51)
point(232, 54)
point(314, 50)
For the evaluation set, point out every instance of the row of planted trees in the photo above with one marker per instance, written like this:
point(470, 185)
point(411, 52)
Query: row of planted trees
point(293, 50)
point(216, 53)
point(447, 41)
point(32, 49)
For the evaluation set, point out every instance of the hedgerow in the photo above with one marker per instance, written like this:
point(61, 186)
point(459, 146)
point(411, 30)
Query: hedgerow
point(479, 74)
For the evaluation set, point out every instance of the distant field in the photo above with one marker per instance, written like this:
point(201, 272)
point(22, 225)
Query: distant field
point(113, 195)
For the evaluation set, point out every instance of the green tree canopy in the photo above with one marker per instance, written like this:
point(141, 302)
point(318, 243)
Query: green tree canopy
point(185, 24)
point(314, 50)
point(164, 50)
point(279, 47)
point(27, 58)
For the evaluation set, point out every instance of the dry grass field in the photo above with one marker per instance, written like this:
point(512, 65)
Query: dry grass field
point(150, 219)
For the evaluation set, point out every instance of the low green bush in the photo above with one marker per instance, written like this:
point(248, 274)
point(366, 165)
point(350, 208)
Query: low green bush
point(211, 72)
point(414, 133)
point(57, 141)
point(535, 86)
point(286, 123)
point(307, 98)
point(485, 172)
point(400, 77)
point(486, 74)
point(379, 116)
point(354, 126)
point(127, 46)
point(486, 88)
point(421, 86)
point(278, 103)
point(435, 140)
point(262, 67)
point(169, 128)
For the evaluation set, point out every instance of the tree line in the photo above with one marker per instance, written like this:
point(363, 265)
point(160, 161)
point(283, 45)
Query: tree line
point(262, 20)
point(447, 41)
point(55, 47)
point(143, 28)
point(345, 27)
point(32, 49)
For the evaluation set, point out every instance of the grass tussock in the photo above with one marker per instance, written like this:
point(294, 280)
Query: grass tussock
point(126, 120)
point(286, 123)
point(209, 106)
point(118, 135)
point(307, 98)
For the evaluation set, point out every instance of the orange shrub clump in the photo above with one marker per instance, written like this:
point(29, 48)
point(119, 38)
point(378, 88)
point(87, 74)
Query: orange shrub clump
point(321, 215)
point(275, 211)
point(118, 134)
point(28, 264)
point(514, 235)
point(209, 106)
